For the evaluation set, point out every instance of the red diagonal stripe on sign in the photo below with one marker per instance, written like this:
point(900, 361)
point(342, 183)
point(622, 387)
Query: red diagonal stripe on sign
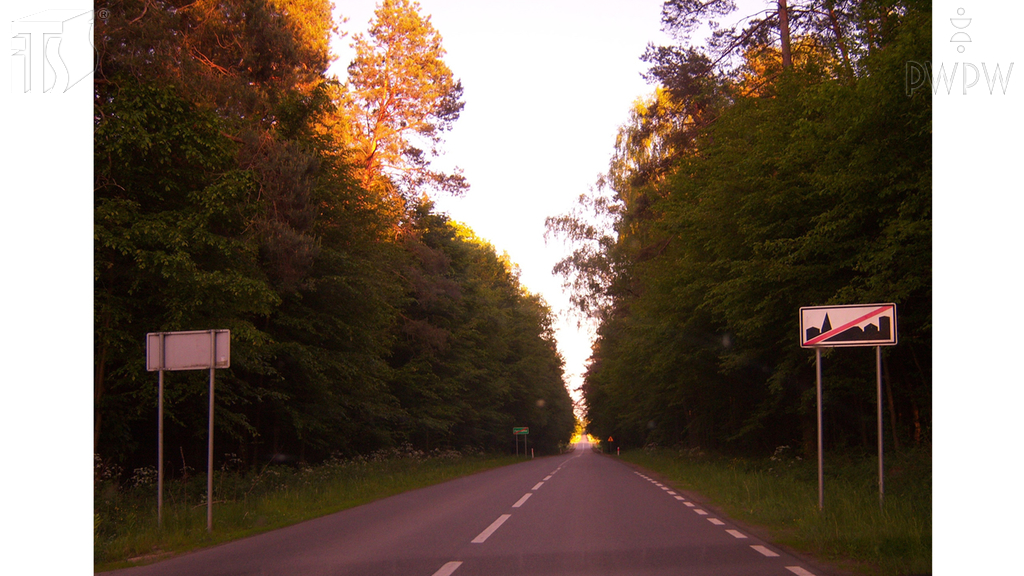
point(835, 331)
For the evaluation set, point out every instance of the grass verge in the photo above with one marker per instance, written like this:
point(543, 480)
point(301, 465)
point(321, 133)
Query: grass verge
point(126, 532)
point(779, 496)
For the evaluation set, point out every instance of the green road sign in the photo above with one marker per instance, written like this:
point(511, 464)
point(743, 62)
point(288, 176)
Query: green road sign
point(520, 431)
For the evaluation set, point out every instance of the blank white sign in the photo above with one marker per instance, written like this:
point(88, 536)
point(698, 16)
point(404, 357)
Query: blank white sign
point(193, 350)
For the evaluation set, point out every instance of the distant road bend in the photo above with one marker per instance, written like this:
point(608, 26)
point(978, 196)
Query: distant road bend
point(576, 514)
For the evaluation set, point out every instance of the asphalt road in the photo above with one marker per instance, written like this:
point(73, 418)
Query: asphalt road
point(576, 514)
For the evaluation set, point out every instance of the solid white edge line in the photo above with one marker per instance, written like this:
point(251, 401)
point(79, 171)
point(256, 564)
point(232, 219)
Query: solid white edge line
point(490, 529)
point(448, 569)
point(799, 571)
point(522, 500)
point(737, 534)
point(539, 484)
point(764, 550)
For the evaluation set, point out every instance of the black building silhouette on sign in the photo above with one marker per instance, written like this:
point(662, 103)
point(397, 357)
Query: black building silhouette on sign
point(871, 332)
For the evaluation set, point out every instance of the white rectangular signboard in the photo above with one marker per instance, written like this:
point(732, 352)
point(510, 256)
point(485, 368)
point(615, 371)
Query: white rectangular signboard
point(855, 325)
point(193, 350)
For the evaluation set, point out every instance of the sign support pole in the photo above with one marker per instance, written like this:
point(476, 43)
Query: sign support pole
point(160, 443)
point(209, 450)
point(881, 468)
point(821, 460)
point(189, 351)
point(160, 452)
point(849, 326)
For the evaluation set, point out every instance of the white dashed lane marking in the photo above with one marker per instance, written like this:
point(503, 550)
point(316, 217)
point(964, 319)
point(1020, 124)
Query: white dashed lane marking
point(764, 550)
point(522, 500)
point(539, 484)
point(490, 529)
point(448, 568)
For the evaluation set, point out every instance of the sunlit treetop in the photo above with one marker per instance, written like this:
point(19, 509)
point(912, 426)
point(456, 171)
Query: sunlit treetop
point(406, 97)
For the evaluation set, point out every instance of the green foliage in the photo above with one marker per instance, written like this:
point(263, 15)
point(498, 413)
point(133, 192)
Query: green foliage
point(475, 354)
point(226, 197)
point(812, 190)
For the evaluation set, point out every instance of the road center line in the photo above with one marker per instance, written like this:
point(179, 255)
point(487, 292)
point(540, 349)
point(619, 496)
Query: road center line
point(737, 533)
point(539, 484)
point(764, 550)
point(490, 529)
point(522, 500)
point(546, 478)
point(448, 568)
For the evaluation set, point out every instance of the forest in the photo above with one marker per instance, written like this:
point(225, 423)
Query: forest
point(782, 165)
point(238, 186)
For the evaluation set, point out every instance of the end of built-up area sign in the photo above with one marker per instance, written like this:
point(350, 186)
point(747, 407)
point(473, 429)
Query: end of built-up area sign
point(854, 325)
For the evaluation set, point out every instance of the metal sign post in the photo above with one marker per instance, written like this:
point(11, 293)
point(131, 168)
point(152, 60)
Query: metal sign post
point(821, 452)
point(160, 445)
point(881, 469)
point(856, 325)
point(524, 432)
point(192, 350)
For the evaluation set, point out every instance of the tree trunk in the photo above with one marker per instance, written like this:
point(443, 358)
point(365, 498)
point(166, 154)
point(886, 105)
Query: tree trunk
point(787, 56)
point(98, 388)
point(892, 405)
point(838, 31)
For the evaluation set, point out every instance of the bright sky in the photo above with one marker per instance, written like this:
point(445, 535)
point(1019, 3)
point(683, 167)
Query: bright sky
point(547, 84)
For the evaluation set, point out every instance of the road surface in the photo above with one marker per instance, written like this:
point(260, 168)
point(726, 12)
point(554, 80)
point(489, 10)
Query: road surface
point(576, 514)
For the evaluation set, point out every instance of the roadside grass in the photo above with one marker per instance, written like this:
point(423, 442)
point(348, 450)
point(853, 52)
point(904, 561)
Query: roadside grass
point(244, 504)
point(779, 496)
